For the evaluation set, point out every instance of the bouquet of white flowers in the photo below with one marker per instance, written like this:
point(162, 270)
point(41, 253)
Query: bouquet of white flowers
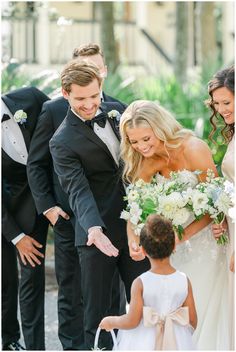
point(166, 197)
point(214, 197)
point(177, 199)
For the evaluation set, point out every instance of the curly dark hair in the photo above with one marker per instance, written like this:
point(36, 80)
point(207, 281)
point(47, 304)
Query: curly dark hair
point(223, 78)
point(157, 237)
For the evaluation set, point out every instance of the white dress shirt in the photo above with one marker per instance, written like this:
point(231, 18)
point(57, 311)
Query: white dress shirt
point(13, 142)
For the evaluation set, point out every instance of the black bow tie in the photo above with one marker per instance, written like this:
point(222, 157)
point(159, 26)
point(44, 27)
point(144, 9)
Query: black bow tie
point(99, 119)
point(5, 117)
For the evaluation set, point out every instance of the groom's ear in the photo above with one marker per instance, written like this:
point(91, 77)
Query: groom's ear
point(65, 93)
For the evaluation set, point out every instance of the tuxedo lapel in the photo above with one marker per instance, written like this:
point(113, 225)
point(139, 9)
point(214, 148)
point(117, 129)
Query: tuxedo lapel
point(113, 122)
point(115, 128)
point(12, 106)
point(87, 131)
point(26, 135)
point(5, 155)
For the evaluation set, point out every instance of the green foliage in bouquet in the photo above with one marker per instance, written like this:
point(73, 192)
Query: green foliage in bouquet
point(149, 207)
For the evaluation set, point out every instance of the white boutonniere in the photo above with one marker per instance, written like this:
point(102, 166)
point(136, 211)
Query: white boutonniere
point(20, 116)
point(114, 114)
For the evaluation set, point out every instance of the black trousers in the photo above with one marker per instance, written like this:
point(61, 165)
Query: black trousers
point(31, 293)
point(97, 272)
point(10, 324)
point(70, 301)
point(70, 304)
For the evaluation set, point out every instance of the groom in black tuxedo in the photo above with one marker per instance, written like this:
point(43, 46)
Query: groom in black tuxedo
point(85, 153)
point(22, 228)
point(53, 202)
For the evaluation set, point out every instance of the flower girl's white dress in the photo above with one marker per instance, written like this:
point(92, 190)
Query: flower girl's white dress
point(205, 264)
point(164, 294)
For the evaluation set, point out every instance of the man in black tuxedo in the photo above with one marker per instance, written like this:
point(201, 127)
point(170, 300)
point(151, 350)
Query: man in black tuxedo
point(88, 167)
point(53, 202)
point(21, 226)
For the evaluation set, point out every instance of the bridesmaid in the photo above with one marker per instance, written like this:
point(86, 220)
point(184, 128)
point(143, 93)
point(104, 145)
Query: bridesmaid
point(221, 102)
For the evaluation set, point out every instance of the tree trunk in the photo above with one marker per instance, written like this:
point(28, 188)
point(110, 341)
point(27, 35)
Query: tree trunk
point(208, 46)
point(181, 52)
point(107, 34)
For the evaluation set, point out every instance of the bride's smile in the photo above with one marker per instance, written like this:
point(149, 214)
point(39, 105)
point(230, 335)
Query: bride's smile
point(144, 141)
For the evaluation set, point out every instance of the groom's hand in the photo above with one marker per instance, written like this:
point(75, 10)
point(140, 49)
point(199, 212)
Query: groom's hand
point(102, 242)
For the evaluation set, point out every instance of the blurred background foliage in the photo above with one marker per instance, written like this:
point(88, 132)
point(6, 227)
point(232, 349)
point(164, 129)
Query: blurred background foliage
point(186, 101)
point(155, 50)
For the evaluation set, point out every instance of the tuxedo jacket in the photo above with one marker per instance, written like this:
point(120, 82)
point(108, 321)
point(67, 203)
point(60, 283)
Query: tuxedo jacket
point(43, 180)
point(18, 209)
point(90, 176)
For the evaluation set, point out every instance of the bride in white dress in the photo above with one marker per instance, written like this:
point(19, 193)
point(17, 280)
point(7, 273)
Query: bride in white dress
point(153, 142)
point(221, 102)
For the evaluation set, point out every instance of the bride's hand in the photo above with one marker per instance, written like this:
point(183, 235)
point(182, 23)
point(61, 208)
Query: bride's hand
point(219, 229)
point(135, 251)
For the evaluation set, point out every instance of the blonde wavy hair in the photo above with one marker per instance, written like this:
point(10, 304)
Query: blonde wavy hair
point(144, 113)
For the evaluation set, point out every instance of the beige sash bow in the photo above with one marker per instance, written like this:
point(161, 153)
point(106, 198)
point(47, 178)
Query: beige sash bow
point(165, 338)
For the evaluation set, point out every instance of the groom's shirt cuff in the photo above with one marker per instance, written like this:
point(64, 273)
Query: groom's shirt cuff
point(46, 211)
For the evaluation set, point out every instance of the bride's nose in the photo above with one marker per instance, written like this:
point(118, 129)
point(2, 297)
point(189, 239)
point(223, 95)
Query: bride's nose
point(142, 145)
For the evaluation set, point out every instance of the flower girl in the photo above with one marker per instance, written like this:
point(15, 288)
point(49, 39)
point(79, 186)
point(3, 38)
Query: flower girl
point(162, 313)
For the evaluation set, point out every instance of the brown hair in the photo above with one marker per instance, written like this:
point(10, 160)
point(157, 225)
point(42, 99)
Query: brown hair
point(80, 73)
point(88, 50)
point(223, 78)
point(157, 237)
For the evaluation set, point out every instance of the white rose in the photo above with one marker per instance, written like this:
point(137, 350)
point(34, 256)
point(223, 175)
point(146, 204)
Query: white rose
point(181, 216)
point(168, 204)
point(20, 116)
point(199, 201)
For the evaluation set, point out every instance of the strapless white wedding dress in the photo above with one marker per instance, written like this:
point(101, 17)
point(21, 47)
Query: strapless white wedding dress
point(205, 264)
